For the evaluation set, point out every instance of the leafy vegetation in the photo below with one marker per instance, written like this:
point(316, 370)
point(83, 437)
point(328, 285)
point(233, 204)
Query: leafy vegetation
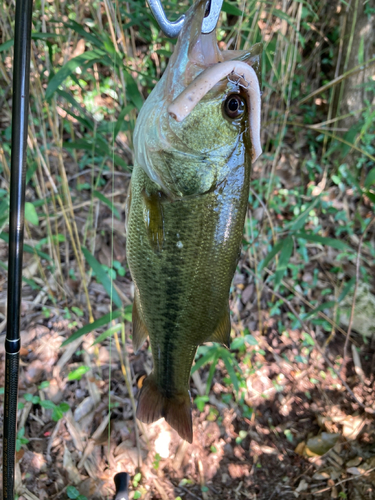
point(309, 234)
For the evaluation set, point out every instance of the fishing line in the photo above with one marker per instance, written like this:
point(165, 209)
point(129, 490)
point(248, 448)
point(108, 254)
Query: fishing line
point(237, 45)
point(112, 252)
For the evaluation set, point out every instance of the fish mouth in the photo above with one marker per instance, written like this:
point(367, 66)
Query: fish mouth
point(197, 65)
point(161, 125)
point(246, 77)
point(193, 53)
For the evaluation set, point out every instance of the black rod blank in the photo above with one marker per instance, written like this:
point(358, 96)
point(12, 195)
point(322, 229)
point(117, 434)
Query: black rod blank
point(121, 483)
point(20, 111)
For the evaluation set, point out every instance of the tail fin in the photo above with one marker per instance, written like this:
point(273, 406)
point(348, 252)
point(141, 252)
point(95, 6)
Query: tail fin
point(152, 405)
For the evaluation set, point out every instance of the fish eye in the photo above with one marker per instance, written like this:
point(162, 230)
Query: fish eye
point(234, 106)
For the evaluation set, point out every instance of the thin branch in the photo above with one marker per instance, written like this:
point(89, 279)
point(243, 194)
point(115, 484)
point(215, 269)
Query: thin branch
point(357, 268)
point(189, 492)
point(343, 481)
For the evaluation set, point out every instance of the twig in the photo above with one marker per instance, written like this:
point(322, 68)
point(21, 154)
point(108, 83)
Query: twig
point(160, 489)
point(51, 440)
point(357, 266)
point(189, 492)
point(342, 481)
point(273, 494)
point(59, 493)
point(312, 333)
point(125, 368)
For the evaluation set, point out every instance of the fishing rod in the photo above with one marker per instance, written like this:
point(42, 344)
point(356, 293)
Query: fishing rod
point(20, 111)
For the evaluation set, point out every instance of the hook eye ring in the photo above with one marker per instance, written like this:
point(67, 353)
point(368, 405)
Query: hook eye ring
point(172, 29)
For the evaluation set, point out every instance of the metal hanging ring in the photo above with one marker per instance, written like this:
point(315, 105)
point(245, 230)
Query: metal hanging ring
point(172, 29)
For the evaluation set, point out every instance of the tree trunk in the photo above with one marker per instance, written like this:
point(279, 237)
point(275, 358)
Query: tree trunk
point(357, 48)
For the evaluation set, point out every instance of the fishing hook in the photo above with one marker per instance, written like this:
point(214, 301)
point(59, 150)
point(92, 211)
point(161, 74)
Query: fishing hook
point(172, 29)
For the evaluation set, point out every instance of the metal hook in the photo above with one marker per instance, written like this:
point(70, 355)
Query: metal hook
point(172, 29)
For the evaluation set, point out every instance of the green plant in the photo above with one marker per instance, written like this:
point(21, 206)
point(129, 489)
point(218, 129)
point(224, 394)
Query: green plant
point(137, 479)
point(73, 493)
point(211, 354)
point(200, 401)
point(241, 436)
point(78, 373)
point(20, 440)
point(57, 410)
point(156, 462)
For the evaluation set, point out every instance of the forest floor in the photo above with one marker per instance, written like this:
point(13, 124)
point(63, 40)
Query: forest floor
point(304, 435)
point(301, 423)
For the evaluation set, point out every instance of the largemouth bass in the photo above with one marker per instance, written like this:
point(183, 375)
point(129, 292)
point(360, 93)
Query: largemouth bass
point(195, 139)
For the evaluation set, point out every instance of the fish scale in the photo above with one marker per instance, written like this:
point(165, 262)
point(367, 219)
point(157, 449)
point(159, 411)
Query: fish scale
point(181, 291)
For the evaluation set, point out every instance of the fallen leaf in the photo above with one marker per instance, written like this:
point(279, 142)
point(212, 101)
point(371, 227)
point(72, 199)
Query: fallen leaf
point(354, 462)
point(352, 426)
point(353, 470)
point(321, 476)
point(71, 469)
point(303, 485)
point(319, 445)
point(300, 448)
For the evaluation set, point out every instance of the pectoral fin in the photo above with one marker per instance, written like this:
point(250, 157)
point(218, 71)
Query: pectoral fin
point(154, 219)
point(222, 332)
point(140, 332)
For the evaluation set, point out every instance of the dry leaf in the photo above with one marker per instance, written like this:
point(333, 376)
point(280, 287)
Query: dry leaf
point(353, 470)
point(319, 445)
point(71, 469)
point(354, 462)
point(352, 426)
point(300, 448)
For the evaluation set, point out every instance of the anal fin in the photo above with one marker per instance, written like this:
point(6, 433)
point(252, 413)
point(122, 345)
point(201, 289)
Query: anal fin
point(140, 332)
point(222, 332)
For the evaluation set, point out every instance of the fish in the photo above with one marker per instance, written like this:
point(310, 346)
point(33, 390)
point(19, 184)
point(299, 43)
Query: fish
point(195, 140)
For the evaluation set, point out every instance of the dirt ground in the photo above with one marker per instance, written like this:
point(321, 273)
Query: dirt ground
point(293, 408)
